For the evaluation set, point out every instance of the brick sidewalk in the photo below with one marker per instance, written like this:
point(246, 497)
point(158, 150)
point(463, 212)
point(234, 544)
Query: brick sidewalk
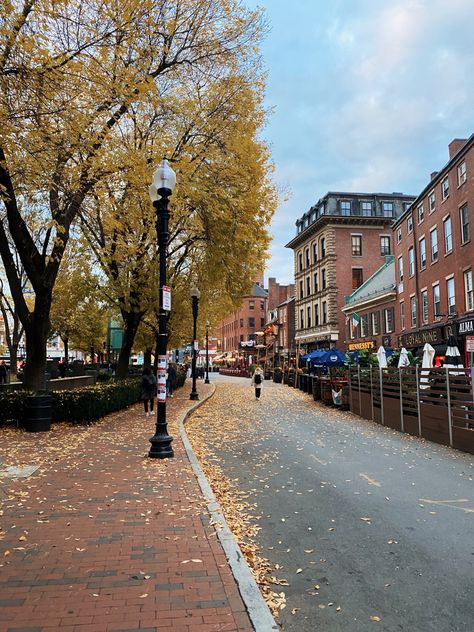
point(103, 538)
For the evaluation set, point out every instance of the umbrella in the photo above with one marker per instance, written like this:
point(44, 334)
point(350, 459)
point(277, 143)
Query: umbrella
point(333, 358)
point(453, 357)
point(315, 357)
point(382, 358)
point(403, 360)
point(426, 363)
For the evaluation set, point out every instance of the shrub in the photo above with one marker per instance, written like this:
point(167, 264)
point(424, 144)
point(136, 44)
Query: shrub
point(85, 404)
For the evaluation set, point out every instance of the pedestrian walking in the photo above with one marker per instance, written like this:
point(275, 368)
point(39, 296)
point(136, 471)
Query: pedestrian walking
point(257, 381)
point(148, 390)
point(3, 372)
point(171, 378)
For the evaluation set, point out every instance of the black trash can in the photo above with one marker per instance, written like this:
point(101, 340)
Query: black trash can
point(38, 413)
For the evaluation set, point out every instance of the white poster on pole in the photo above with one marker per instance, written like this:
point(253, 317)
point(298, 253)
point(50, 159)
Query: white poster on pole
point(166, 298)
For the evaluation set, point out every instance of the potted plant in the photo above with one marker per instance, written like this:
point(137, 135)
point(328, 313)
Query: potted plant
point(277, 375)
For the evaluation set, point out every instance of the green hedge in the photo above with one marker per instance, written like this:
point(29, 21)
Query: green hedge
point(85, 404)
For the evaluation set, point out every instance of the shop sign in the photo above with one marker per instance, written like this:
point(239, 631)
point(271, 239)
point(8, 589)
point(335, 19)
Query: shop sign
point(420, 338)
point(247, 343)
point(470, 344)
point(355, 346)
point(466, 327)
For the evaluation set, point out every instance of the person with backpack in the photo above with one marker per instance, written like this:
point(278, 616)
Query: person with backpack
point(257, 381)
point(148, 390)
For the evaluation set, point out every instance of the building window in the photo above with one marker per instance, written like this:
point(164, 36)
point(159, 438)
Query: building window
point(432, 201)
point(366, 208)
point(400, 269)
point(444, 189)
point(316, 315)
point(424, 305)
point(251, 304)
point(251, 322)
point(301, 319)
point(413, 310)
point(434, 245)
point(345, 206)
point(384, 245)
point(323, 279)
point(402, 314)
point(357, 277)
point(448, 235)
point(388, 320)
point(411, 262)
point(356, 241)
point(315, 252)
point(308, 262)
point(399, 235)
point(464, 216)
point(387, 209)
point(325, 312)
point(421, 213)
point(422, 245)
point(262, 322)
point(451, 296)
point(262, 304)
point(375, 323)
point(436, 301)
point(363, 326)
point(301, 290)
point(462, 175)
point(468, 290)
point(308, 286)
point(309, 316)
point(241, 322)
point(300, 261)
point(316, 285)
point(410, 224)
point(323, 247)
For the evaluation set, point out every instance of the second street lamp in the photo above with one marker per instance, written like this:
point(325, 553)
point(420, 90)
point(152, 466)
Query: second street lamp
point(164, 180)
point(206, 381)
point(195, 295)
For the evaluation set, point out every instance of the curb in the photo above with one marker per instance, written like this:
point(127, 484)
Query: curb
point(258, 610)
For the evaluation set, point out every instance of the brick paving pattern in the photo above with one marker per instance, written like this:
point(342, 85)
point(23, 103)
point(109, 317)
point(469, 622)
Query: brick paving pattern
point(101, 538)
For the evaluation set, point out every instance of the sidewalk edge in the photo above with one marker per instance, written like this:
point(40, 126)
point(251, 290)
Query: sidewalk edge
point(257, 608)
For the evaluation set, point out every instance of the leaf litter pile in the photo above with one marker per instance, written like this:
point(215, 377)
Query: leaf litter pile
point(206, 428)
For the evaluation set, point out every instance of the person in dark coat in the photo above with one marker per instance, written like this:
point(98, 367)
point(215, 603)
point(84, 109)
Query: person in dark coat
point(171, 379)
point(3, 372)
point(148, 390)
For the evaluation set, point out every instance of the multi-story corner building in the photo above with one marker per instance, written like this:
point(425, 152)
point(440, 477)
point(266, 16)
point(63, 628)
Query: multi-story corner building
point(340, 242)
point(434, 257)
point(241, 326)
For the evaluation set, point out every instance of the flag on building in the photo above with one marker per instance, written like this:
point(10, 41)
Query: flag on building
point(355, 321)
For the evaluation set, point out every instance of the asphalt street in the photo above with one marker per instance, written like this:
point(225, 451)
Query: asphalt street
point(371, 529)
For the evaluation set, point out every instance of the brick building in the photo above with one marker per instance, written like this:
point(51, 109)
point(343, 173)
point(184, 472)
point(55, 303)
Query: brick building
point(434, 256)
point(242, 325)
point(340, 242)
point(279, 327)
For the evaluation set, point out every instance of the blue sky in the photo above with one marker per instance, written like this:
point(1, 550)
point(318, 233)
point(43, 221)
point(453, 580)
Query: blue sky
point(366, 94)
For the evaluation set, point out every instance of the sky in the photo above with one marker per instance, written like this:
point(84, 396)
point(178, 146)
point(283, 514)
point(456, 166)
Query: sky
point(365, 95)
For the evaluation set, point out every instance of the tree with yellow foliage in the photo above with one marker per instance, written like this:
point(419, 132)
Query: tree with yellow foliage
point(72, 73)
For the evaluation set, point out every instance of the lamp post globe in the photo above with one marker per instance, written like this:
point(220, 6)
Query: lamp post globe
point(164, 180)
point(195, 296)
point(207, 381)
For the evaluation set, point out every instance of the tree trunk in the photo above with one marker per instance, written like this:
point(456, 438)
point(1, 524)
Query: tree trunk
point(36, 334)
point(66, 351)
point(147, 357)
point(131, 322)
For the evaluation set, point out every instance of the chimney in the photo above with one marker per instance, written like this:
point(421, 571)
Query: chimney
point(433, 175)
point(455, 145)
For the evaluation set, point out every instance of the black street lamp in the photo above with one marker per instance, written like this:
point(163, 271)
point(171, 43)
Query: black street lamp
point(164, 180)
point(206, 381)
point(195, 295)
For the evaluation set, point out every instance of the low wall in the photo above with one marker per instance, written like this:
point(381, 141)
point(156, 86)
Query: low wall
point(60, 384)
point(235, 372)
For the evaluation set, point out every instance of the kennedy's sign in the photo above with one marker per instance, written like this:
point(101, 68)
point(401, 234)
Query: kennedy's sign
point(420, 338)
point(354, 346)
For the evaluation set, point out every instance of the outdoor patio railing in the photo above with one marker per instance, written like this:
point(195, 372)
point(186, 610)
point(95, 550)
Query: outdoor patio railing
point(436, 404)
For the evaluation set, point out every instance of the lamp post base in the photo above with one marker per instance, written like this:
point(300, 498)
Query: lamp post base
point(194, 395)
point(161, 447)
point(207, 381)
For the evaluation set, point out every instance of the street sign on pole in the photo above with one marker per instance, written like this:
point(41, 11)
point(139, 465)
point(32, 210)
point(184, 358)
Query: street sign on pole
point(470, 343)
point(166, 298)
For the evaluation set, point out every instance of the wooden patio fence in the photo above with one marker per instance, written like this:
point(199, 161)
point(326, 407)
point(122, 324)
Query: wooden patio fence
point(437, 404)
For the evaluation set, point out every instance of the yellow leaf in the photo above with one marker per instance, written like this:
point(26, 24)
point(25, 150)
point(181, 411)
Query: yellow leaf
point(374, 617)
